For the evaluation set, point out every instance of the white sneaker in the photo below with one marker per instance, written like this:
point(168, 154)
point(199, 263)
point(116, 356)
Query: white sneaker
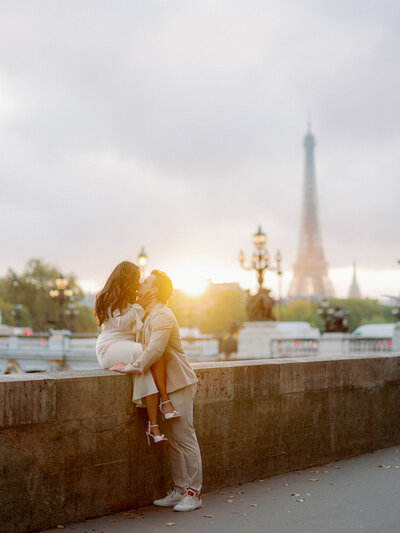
point(190, 502)
point(172, 498)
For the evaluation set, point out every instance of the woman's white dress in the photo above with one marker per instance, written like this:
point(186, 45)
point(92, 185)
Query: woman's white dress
point(116, 344)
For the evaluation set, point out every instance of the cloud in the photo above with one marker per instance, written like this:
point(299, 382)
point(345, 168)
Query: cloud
point(179, 126)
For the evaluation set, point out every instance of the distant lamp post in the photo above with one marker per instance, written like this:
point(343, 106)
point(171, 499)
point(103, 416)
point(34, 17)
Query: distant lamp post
point(62, 294)
point(259, 259)
point(17, 307)
point(260, 262)
point(71, 312)
point(335, 318)
point(278, 260)
point(142, 259)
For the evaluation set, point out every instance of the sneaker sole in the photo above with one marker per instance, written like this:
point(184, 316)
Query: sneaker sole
point(186, 510)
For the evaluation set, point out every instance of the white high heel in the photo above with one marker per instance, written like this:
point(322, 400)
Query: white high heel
point(168, 416)
point(156, 438)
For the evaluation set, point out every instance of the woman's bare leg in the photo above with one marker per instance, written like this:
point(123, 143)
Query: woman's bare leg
point(152, 409)
point(160, 378)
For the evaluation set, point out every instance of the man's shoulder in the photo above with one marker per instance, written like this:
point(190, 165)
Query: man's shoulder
point(163, 314)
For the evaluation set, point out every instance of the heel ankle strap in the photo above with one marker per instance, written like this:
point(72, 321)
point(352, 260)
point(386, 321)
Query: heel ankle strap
point(153, 426)
point(167, 401)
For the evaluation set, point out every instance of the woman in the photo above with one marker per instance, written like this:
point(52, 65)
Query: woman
point(120, 317)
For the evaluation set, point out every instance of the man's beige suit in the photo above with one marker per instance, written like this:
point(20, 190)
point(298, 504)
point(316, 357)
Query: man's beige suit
point(161, 333)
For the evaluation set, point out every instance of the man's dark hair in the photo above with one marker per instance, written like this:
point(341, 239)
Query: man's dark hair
point(164, 285)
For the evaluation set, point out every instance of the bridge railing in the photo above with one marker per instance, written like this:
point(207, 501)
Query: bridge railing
point(62, 350)
point(329, 345)
point(294, 347)
point(369, 345)
point(65, 350)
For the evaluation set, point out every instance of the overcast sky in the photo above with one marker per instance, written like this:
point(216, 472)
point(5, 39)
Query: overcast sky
point(178, 125)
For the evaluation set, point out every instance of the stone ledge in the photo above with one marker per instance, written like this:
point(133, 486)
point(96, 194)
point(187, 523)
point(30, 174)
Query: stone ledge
point(72, 444)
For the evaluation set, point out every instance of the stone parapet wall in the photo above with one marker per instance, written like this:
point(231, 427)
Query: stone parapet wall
point(72, 445)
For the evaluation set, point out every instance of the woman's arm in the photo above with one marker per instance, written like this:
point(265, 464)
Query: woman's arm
point(132, 318)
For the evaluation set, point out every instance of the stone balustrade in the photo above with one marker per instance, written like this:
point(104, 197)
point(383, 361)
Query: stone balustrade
point(63, 350)
point(72, 444)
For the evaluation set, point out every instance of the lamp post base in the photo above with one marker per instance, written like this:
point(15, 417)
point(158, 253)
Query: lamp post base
point(255, 339)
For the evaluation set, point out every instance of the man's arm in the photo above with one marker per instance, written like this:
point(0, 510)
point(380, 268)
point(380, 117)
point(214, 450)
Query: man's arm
point(161, 331)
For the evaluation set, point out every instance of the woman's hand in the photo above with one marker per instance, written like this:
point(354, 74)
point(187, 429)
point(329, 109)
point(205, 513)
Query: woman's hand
point(119, 367)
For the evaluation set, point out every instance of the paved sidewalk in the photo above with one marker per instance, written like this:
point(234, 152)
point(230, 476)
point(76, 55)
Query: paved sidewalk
point(355, 495)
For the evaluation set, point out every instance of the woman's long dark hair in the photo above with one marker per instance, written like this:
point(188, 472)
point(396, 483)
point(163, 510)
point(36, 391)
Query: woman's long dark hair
point(119, 290)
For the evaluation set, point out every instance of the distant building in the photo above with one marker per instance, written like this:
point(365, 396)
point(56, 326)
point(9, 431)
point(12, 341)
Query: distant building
point(354, 291)
point(215, 288)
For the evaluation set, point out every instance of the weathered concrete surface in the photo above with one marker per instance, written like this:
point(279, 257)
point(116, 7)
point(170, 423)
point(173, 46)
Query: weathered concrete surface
point(72, 444)
point(351, 496)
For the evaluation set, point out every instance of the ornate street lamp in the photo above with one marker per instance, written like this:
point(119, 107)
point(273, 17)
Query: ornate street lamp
point(259, 307)
point(62, 295)
point(334, 318)
point(260, 259)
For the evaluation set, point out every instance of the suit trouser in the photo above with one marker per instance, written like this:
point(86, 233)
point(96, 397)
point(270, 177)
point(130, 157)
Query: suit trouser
point(184, 451)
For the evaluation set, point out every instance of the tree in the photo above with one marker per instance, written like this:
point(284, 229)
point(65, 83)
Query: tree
point(361, 311)
point(219, 311)
point(212, 312)
point(32, 290)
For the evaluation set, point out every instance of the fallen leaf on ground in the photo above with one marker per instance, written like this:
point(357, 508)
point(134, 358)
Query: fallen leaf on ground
point(221, 492)
point(229, 501)
point(232, 496)
point(170, 524)
point(275, 498)
point(397, 466)
point(137, 517)
point(241, 492)
point(299, 500)
point(337, 467)
point(253, 504)
point(313, 480)
point(268, 489)
point(308, 493)
point(295, 494)
point(285, 484)
point(260, 480)
point(208, 516)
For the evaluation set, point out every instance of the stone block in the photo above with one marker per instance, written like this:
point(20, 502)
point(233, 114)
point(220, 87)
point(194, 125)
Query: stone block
point(72, 445)
point(26, 401)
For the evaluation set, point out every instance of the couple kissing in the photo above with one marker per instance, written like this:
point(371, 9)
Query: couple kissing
point(140, 336)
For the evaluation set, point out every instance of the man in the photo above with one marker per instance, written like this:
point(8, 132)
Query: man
point(161, 333)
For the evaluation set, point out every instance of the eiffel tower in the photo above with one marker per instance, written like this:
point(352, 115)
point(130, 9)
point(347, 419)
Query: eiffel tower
point(310, 271)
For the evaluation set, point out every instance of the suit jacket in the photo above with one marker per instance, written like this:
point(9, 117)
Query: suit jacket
point(161, 333)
